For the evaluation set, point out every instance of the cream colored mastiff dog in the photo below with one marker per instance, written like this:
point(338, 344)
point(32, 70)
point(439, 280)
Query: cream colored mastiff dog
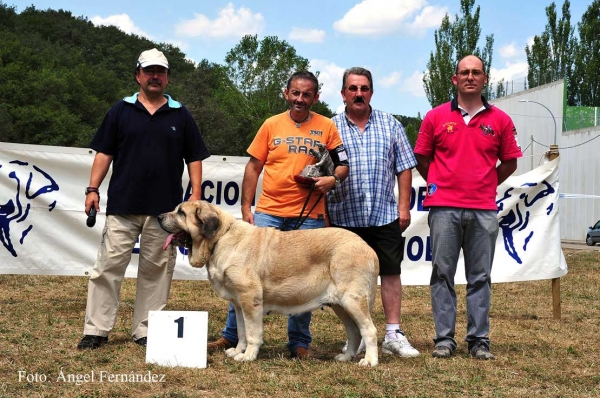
point(261, 270)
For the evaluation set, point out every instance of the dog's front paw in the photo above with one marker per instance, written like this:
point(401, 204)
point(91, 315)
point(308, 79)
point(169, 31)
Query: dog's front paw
point(249, 355)
point(233, 352)
point(343, 357)
point(244, 357)
point(367, 361)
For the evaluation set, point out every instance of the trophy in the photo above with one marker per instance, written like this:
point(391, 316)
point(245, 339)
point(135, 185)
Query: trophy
point(323, 167)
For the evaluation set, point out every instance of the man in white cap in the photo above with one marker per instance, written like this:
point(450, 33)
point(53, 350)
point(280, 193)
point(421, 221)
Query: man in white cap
point(147, 138)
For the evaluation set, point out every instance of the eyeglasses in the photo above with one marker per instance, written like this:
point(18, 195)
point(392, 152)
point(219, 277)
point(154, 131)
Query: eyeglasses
point(364, 89)
point(467, 72)
point(154, 71)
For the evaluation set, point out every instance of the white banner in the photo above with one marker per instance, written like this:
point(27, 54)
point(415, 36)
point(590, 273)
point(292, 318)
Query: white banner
point(43, 229)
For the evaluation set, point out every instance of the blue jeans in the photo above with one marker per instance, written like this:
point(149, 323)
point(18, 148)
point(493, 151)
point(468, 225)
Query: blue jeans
point(298, 325)
point(474, 231)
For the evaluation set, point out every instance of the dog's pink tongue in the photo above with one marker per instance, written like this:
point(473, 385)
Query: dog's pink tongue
point(168, 241)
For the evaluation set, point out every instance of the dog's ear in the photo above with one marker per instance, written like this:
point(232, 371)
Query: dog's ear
point(209, 221)
point(195, 255)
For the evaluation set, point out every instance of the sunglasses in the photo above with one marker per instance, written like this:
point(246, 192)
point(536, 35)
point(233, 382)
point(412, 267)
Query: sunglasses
point(364, 89)
point(149, 71)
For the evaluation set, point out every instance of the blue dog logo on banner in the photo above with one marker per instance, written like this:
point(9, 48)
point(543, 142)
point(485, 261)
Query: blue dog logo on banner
point(517, 219)
point(29, 182)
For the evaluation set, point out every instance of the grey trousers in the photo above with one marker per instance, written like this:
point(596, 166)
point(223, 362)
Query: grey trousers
point(475, 231)
point(155, 272)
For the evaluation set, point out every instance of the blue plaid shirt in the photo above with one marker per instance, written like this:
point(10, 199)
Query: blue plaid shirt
point(366, 198)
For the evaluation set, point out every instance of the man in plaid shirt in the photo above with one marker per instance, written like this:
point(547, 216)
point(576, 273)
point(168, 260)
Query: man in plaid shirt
point(379, 154)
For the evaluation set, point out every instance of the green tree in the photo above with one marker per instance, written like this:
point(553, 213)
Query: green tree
point(585, 83)
point(500, 89)
point(539, 61)
point(551, 55)
point(214, 102)
point(322, 108)
point(411, 127)
point(436, 81)
point(260, 69)
point(453, 41)
point(60, 74)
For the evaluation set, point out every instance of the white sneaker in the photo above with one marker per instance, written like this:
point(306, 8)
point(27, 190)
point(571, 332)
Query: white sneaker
point(361, 347)
point(399, 346)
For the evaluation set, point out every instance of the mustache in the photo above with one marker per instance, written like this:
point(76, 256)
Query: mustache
point(155, 81)
point(358, 99)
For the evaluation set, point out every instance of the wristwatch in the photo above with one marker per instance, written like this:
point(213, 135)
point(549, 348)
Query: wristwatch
point(337, 181)
point(92, 189)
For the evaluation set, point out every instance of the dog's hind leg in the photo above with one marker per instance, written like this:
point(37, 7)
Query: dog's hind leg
point(369, 335)
point(358, 308)
point(359, 311)
point(352, 332)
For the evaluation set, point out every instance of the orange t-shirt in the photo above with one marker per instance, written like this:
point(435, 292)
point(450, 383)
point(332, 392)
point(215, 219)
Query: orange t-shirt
point(283, 148)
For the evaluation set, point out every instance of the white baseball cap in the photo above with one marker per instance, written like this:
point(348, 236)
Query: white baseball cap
point(152, 57)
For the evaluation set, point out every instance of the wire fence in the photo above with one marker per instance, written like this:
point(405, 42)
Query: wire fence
point(504, 88)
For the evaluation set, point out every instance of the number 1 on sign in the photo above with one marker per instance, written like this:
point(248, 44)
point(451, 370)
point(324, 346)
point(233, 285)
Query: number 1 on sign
point(179, 322)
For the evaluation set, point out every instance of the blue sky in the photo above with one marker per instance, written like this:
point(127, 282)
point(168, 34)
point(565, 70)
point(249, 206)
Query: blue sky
point(392, 38)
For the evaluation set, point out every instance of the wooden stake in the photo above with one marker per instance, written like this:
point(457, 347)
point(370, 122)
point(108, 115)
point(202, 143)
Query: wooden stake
point(556, 310)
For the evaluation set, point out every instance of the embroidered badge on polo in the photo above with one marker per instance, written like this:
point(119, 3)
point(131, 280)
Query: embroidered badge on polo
point(173, 128)
point(448, 127)
point(431, 188)
point(487, 130)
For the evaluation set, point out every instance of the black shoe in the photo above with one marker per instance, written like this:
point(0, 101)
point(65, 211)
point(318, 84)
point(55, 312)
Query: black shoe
point(480, 350)
point(143, 341)
point(442, 351)
point(91, 342)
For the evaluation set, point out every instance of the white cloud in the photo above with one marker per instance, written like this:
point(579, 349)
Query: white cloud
point(413, 85)
point(230, 23)
point(511, 71)
point(430, 17)
point(529, 41)
point(330, 75)
point(509, 51)
point(515, 67)
point(121, 21)
point(183, 46)
point(307, 35)
point(391, 80)
point(377, 17)
point(515, 64)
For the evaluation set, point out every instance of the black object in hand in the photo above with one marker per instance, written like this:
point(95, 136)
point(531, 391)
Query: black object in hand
point(91, 220)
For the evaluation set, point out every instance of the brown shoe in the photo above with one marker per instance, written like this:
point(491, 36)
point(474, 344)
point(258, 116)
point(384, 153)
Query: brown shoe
point(221, 344)
point(301, 353)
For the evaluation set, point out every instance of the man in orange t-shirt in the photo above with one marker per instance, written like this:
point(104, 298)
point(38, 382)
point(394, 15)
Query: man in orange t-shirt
point(281, 149)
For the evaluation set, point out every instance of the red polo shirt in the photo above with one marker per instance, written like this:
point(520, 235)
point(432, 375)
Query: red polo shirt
point(462, 172)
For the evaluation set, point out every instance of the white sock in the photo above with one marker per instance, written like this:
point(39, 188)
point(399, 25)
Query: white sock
point(390, 330)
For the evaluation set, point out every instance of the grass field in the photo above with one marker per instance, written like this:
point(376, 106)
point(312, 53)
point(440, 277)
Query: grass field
point(41, 320)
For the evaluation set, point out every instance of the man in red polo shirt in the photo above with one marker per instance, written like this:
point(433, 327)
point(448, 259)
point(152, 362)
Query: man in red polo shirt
point(457, 150)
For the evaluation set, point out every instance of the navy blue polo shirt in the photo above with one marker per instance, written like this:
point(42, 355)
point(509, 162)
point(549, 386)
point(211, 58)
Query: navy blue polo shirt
point(149, 152)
